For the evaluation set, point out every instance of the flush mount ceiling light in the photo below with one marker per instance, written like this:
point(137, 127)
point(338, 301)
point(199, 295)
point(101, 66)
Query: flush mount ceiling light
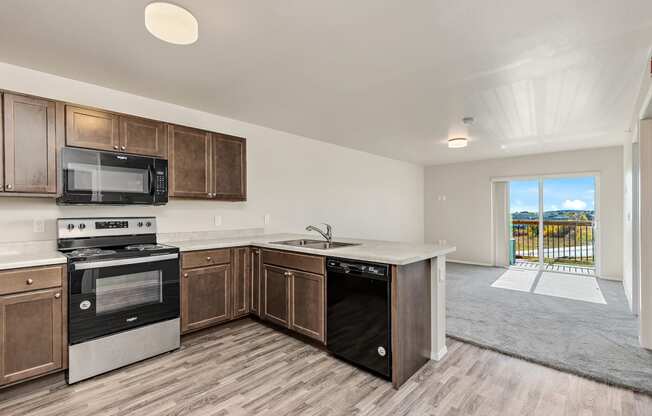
point(458, 142)
point(171, 23)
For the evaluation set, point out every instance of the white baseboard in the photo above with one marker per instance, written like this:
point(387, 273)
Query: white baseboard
point(472, 263)
point(611, 278)
point(437, 356)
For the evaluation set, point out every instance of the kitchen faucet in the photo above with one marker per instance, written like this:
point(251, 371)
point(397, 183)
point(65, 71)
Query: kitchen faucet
point(328, 235)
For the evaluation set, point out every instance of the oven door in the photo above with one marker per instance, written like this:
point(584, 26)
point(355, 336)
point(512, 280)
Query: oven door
point(93, 177)
point(109, 296)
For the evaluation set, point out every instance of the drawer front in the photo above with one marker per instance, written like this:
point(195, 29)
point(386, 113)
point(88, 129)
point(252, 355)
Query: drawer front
point(22, 280)
point(305, 262)
point(205, 258)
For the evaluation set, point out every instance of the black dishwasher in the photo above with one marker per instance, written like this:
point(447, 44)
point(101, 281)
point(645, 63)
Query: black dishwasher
point(358, 314)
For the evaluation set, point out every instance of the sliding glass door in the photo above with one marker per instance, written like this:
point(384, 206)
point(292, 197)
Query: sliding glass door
point(525, 219)
point(568, 224)
point(553, 224)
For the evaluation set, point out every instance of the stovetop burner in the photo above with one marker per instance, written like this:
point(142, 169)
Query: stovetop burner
point(145, 247)
point(90, 252)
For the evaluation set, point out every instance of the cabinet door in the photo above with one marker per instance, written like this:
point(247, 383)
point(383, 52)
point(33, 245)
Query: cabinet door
point(143, 137)
point(307, 300)
point(189, 155)
point(241, 281)
point(276, 295)
point(92, 129)
point(2, 148)
point(256, 269)
point(205, 297)
point(29, 145)
point(31, 336)
point(229, 167)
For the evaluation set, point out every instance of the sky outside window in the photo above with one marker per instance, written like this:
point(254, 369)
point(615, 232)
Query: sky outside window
point(572, 194)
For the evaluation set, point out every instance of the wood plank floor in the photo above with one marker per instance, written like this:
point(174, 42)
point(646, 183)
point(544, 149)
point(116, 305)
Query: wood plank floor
point(246, 368)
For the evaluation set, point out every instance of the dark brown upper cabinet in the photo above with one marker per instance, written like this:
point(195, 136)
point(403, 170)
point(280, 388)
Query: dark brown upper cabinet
point(92, 129)
point(229, 167)
point(2, 148)
point(206, 165)
point(144, 137)
point(189, 163)
point(103, 130)
point(29, 127)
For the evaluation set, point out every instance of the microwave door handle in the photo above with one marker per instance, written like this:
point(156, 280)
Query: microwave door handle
point(152, 179)
point(123, 262)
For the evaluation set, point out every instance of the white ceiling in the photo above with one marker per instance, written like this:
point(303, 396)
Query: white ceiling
point(389, 77)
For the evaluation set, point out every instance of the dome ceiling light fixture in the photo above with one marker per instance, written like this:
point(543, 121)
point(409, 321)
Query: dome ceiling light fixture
point(171, 23)
point(458, 142)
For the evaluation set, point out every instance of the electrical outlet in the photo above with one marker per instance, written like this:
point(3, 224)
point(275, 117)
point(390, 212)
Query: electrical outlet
point(267, 219)
point(39, 226)
point(218, 220)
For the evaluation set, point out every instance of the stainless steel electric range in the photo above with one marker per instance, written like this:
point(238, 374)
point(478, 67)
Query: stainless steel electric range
point(123, 293)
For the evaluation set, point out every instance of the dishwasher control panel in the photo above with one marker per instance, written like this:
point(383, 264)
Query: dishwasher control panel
point(347, 266)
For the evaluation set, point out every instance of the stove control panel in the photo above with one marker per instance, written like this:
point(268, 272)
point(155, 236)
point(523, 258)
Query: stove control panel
point(98, 227)
point(103, 225)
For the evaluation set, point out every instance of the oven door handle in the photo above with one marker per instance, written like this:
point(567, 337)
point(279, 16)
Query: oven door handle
point(123, 262)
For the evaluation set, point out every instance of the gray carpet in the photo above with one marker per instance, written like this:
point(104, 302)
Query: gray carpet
point(592, 340)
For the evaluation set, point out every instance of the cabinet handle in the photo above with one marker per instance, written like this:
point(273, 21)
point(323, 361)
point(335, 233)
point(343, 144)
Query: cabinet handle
point(57, 295)
point(185, 275)
point(30, 281)
point(9, 186)
point(115, 147)
point(208, 258)
point(123, 147)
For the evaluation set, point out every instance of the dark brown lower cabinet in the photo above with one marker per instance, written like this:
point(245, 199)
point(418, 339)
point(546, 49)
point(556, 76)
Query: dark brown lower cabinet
point(205, 297)
point(276, 295)
point(31, 335)
point(256, 272)
point(307, 304)
point(241, 281)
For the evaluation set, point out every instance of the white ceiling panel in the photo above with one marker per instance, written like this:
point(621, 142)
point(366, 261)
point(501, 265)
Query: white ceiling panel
point(393, 78)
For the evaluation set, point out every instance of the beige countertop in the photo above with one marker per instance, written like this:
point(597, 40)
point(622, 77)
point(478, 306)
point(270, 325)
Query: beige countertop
point(17, 255)
point(388, 252)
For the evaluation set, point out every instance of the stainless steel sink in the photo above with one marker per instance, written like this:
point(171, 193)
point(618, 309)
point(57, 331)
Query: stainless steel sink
point(318, 244)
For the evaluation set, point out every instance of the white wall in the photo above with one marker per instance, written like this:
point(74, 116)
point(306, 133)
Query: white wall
point(464, 218)
point(296, 180)
point(628, 266)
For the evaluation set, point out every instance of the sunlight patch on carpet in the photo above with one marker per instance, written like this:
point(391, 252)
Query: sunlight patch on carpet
point(514, 279)
point(583, 288)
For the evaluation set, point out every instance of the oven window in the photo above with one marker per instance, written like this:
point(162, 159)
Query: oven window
point(128, 291)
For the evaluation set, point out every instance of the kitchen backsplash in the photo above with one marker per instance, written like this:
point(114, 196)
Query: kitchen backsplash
point(34, 219)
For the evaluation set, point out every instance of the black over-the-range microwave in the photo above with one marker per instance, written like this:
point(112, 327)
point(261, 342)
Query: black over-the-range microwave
point(96, 177)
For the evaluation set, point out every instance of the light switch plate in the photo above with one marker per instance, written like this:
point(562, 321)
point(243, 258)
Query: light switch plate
point(39, 226)
point(267, 219)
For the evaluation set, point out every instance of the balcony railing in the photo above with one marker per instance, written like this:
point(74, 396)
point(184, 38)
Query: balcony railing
point(567, 242)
